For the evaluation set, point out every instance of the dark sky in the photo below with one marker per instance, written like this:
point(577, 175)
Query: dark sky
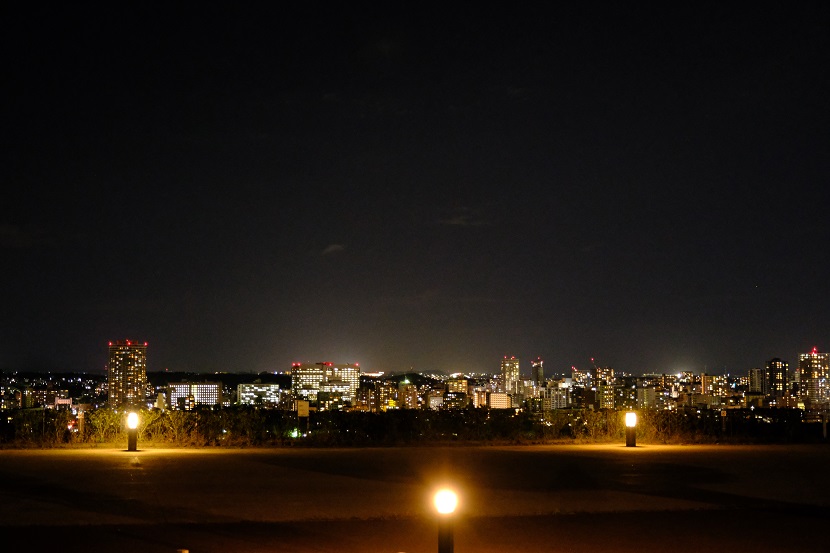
point(415, 187)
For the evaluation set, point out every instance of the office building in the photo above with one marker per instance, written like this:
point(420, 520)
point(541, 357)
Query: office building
point(187, 395)
point(305, 380)
point(342, 380)
point(127, 373)
point(261, 395)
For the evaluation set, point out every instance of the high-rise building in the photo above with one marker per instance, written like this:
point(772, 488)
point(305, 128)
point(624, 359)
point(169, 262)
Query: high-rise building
point(815, 369)
point(510, 374)
point(757, 381)
point(538, 371)
point(127, 373)
point(778, 377)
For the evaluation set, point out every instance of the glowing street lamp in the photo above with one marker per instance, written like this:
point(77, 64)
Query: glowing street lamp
point(132, 431)
point(445, 503)
point(630, 429)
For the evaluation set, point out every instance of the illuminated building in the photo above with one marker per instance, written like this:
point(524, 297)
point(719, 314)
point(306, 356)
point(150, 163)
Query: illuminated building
point(625, 397)
point(343, 378)
point(814, 368)
point(555, 397)
point(435, 400)
point(386, 396)
point(187, 395)
point(305, 380)
point(714, 385)
point(407, 395)
point(499, 400)
point(757, 381)
point(537, 371)
point(605, 376)
point(308, 379)
point(510, 374)
point(455, 400)
point(647, 397)
point(778, 377)
point(581, 379)
point(605, 396)
point(259, 394)
point(479, 397)
point(127, 373)
point(460, 385)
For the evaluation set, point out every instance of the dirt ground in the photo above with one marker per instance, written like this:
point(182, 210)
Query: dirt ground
point(549, 498)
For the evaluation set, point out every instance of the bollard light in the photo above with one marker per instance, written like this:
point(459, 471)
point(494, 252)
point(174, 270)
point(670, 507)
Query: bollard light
point(132, 431)
point(446, 502)
point(630, 429)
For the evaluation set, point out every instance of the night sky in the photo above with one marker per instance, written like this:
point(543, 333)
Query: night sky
point(408, 187)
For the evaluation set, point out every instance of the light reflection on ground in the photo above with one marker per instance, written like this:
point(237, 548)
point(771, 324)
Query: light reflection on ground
point(338, 497)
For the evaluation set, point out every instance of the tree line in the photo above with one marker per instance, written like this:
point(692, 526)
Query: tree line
point(251, 427)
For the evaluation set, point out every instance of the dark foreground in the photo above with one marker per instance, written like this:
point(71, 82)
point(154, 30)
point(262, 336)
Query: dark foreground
point(547, 498)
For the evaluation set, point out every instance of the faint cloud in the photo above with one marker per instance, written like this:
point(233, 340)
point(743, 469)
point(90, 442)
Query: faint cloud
point(333, 249)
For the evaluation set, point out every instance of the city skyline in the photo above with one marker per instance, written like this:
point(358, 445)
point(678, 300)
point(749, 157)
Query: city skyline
point(413, 188)
point(507, 367)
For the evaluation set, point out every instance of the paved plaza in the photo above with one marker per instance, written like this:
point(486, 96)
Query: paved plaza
point(568, 498)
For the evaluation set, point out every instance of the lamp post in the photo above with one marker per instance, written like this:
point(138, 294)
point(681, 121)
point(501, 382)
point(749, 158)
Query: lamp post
point(445, 503)
point(630, 429)
point(132, 431)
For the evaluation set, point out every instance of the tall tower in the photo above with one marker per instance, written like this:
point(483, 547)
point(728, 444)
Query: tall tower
point(510, 374)
point(538, 371)
point(815, 369)
point(778, 377)
point(127, 373)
